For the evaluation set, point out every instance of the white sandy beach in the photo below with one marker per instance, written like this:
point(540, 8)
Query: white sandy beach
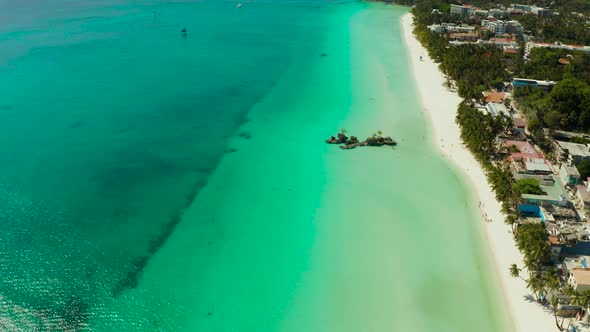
point(441, 105)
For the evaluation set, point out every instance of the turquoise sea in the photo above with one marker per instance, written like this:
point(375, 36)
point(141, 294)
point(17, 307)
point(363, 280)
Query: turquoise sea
point(151, 181)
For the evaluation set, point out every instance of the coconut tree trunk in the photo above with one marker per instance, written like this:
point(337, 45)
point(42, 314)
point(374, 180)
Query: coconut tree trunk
point(559, 327)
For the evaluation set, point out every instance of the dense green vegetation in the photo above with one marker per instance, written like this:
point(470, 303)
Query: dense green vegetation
point(474, 68)
point(580, 140)
point(584, 169)
point(532, 241)
point(479, 130)
point(567, 6)
point(528, 186)
point(569, 101)
point(500, 179)
point(543, 64)
point(567, 106)
point(564, 6)
point(565, 28)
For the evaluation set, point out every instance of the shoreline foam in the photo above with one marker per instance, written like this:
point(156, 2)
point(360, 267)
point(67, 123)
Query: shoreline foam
point(440, 104)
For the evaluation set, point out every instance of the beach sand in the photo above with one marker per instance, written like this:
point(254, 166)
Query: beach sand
point(440, 105)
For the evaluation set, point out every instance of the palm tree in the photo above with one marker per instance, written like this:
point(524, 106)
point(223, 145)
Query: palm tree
point(530, 264)
point(551, 278)
point(379, 133)
point(511, 220)
point(554, 304)
point(584, 299)
point(536, 285)
point(515, 272)
point(343, 131)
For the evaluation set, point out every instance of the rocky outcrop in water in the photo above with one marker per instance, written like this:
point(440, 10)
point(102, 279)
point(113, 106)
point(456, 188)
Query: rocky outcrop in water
point(353, 142)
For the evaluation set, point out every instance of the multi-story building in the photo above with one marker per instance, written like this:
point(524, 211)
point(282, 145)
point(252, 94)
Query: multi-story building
point(572, 153)
point(577, 272)
point(481, 12)
point(524, 8)
point(450, 27)
point(541, 11)
point(462, 10)
point(497, 13)
point(528, 9)
point(500, 27)
point(530, 45)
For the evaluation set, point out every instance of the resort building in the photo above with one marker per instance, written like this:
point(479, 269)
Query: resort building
point(480, 12)
point(516, 11)
point(497, 13)
point(528, 9)
point(527, 164)
point(496, 109)
point(451, 27)
point(572, 153)
point(510, 50)
point(547, 85)
point(501, 28)
point(524, 8)
point(561, 216)
point(462, 36)
point(569, 174)
point(462, 10)
point(560, 221)
point(530, 45)
point(541, 11)
point(579, 278)
point(577, 272)
point(510, 42)
point(554, 192)
point(494, 97)
point(523, 147)
point(519, 124)
point(583, 192)
point(563, 230)
point(562, 135)
point(436, 28)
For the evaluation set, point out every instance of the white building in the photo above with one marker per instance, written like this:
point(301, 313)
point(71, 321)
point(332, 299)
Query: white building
point(450, 27)
point(481, 13)
point(496, 13)
point(496, 109)
point(577, 272)
point(541, 11)
point(524, 8)
point(573, 153)
point(436, 28)
point(462, 10)
point(530, 45)
point(500, 27)
point(583, 192)
point(532, 9)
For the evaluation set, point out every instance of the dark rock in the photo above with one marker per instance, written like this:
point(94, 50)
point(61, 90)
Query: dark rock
point(245, 135)
point(230, 150)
